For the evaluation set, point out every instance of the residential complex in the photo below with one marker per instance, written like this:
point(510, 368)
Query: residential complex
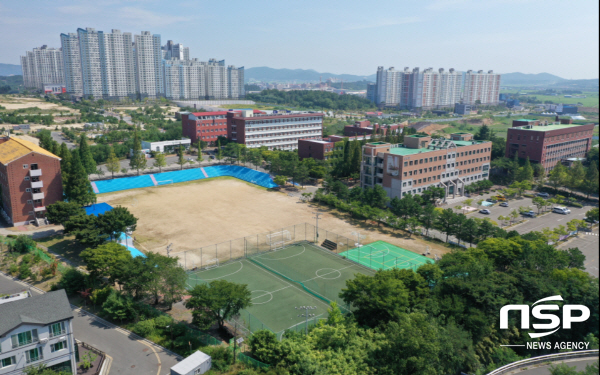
point(41, 67)
point(430, 89)
point(276, 131)
point(36, 330)
point(30, 180)
point(193, 79)
point(416, 89)
point(116, 65)
point(548, 143)
point(422, 163)
point(481, 88)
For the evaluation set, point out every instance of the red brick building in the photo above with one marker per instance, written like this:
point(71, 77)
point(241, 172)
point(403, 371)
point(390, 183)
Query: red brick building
point(549, 144)
point(322, 149)
point(422, 163)
point(275, 131)
point(30, 179)
point(206, 126)
point(366, 128)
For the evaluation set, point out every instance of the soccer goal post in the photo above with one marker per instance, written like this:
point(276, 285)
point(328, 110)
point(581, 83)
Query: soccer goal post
point(279, 238)
point(212, 263)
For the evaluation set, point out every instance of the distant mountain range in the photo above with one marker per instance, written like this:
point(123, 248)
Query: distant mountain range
point(10, 69)
point(267, 74)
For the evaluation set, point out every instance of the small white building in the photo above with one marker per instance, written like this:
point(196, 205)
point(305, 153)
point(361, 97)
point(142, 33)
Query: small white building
point(36, 330)
point(195, 364)
point(94, 125)
point(166, 146)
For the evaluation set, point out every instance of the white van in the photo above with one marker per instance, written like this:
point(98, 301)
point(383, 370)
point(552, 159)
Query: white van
point(561, 210)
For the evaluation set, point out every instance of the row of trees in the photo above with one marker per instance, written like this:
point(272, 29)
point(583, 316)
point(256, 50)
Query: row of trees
point(312, 99)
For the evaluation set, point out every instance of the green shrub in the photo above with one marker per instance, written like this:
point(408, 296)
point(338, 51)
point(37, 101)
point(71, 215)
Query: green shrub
point(145, 328)
point(119, 307)
point(221, 357)
point(26, 259)
point(24, 271)
point(13, 269)
point(72, 281)
point(575, 204)
point(162, 321)
point(99, 296)
point(527, 195)
point(22, 244)
point(45, 272)
point(33, 276)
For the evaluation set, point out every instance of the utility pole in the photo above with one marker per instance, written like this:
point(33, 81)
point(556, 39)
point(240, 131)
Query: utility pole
point(317, 215)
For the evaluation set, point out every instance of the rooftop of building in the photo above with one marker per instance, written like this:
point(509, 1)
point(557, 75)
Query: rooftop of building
point(15, 148)
point(38, 310)
point(526, 119)
point(403, 151)
point(547, 128)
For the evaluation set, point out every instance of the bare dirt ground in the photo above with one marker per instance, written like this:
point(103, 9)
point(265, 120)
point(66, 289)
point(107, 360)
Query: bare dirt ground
point(18, 103)
point(201, 213)
point(433, 128)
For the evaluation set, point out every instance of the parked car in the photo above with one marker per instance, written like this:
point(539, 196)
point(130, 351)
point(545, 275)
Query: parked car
point(561, 210)
point(543, 195)
point(504, 204)
point(529, 214)
point(492, 200)
point(485, 211)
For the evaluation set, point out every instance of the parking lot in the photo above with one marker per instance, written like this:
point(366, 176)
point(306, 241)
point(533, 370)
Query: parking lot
point(544, 220)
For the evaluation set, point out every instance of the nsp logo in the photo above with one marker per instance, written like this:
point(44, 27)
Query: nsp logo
point(538, 313)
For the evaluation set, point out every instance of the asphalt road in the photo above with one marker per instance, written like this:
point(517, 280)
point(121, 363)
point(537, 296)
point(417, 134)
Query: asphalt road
point(587, 242)
point(128, 355)
point(545, 370)
point(60, 138)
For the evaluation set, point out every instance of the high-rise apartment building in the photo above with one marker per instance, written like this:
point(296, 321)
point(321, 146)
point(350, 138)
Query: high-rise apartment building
point(235, 82)
point(184, 79)
point(72, 63)
point(148, 65)
point(42, 66)
point(89, 55)
point(117, 65)
point(216, 79)
point(417, 89)
point(481, 88)
point(175, 51)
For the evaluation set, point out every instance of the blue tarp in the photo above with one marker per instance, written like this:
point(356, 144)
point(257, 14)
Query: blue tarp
point(97, 209)
point(242, 173)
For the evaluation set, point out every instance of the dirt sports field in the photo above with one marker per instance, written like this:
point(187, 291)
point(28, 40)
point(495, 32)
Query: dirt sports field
point(197, 214)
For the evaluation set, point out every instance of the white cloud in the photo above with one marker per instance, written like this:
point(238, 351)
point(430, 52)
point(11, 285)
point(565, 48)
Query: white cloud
point(145, 18)
point(383, 23)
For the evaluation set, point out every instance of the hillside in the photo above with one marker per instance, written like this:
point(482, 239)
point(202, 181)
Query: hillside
point(547, 80)
point(267, 74)
point(10, 69)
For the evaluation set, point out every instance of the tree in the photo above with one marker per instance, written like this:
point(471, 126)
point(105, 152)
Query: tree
point(106, 260)
point(525, 173)
point(593, 214)
point(112, 163)
point(180, 156)
point(280, 180)
point(86, 155)
point(521, 186)
point(60, 212)
point(539, 202)
point(428, 218)
point(119, 307)
point(160, 161)
point(557, 176)
point(576, 175)
point(446, 222)
point(377, 299)
point(432, 194)
point(219, 150)
point(65, 156)
point(138, 159)
point(302, 173)
point(117, 221)
point(590, 184)
point(217, 301)
point(78, 188)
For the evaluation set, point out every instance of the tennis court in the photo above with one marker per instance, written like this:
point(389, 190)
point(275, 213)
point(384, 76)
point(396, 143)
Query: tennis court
point(300, 274)
point(381, 255)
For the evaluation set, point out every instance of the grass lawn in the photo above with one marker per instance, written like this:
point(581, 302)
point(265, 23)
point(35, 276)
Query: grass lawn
point(65, 246)
point(591, 99)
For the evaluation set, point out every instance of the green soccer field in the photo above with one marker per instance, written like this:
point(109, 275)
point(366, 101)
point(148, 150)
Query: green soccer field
point(283, 280)
point(274, 300)
point(381, 255)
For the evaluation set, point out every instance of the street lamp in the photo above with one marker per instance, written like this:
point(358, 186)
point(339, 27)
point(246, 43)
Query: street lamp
point(317, 215)
point(306, 314)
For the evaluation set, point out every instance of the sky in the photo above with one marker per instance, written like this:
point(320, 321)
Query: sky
point(345, 36)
